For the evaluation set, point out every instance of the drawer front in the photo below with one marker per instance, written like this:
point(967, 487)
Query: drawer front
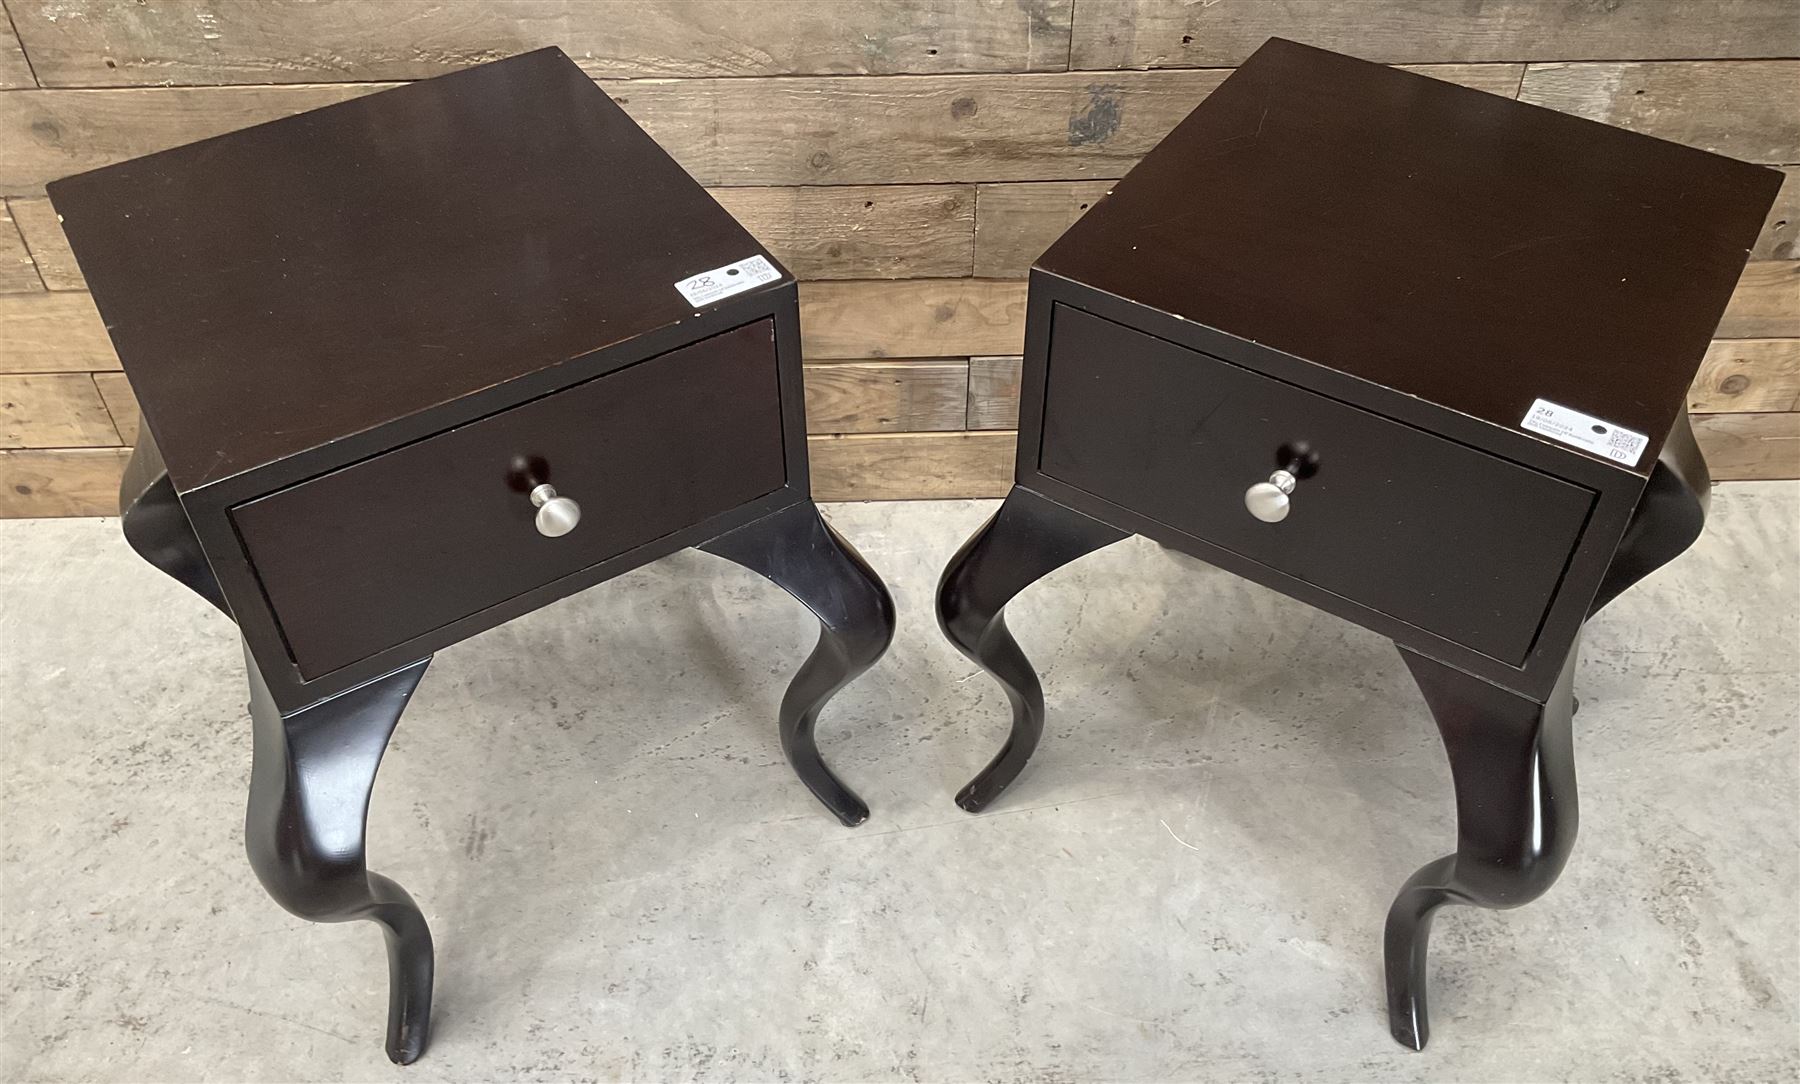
point(376, 553)
point(1460, 543)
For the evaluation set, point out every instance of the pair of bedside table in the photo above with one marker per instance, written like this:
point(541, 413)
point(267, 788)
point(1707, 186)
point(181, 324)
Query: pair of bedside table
point(419, 363)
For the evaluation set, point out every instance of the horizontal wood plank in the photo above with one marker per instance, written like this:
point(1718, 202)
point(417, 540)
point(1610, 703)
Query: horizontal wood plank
point(44, 239)
point(1766, 303)
point(1742, 447)
point(115, 392)
point(18, 274)
point(54, 410)
point(1015, 223)
point(53, 333)
point(123, 43)
point(915, 318)
point(66, 482)
point(911, 466)
point(736, 132)
point(1221, 33)
point(861, 232)
point(1747, 109)
point(1748, 375)
point(46, 134)
point(994, 392)
point(914, 396)
point(1777, 241)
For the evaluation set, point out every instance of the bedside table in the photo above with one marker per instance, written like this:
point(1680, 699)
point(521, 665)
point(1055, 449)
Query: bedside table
point(1410, 353)
point(419, 363)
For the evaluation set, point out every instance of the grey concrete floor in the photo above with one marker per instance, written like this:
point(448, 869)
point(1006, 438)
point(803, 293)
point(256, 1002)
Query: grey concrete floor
point(626, 881)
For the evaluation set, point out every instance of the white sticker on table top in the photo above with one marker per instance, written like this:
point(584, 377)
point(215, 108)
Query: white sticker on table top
point(733, 278)
point(1586, 432)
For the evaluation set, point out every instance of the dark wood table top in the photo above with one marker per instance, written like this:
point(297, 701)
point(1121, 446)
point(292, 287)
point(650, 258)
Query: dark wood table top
point(1471, 250)
point(297, 282)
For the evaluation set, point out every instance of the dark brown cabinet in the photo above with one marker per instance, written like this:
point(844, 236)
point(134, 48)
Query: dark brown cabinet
point(418, 363)
point(1410, 353)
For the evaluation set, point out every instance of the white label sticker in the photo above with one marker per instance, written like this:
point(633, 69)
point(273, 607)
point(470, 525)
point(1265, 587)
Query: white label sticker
point(1586, 432)
point(733, 278)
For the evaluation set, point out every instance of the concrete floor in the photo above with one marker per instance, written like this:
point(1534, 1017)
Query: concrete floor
point(625, 880)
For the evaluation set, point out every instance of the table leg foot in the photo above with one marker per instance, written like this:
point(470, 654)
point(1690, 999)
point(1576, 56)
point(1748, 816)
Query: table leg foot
point(1028, 538)
point(306, 825)
point(797, 550)
point(1514, 769)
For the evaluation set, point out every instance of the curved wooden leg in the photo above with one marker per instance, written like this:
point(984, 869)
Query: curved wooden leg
point(157, 527)
point(305, 828)
point(1028, 538)
point(1514, 769)
point(309, 787)
point(1667, 520)
point(797, 550)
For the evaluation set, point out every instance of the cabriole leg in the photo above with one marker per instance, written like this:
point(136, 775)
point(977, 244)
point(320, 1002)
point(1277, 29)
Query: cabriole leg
point(797, 550)
point(313, 771)
point(1514, 771)
point(305, 830)
point(1028, 538)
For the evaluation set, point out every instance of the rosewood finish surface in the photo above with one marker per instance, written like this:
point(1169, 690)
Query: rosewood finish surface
point(1301, 340)
point(417, 364)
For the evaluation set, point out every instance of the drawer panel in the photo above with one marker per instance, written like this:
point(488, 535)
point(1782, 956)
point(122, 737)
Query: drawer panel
point(1460, 543)
point(376, 553)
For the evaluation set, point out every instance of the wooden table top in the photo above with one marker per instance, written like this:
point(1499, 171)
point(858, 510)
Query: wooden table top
point(1471, 250)
point(294, 283)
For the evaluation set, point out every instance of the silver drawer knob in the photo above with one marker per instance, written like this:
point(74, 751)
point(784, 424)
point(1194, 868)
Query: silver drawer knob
point(1268, 501)
point(556, 516)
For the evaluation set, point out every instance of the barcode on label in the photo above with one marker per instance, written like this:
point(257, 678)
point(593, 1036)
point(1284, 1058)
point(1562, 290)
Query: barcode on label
point(733, 278)
point(1586, 432)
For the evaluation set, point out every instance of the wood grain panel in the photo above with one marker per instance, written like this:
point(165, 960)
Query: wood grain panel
point(994, 392)
point(53, 333)
point(738, 132)
point(937, 318)
point(1221, 33)
point(1748, 375)
point(914, 396)
point(861, 232)
point(125, 42)
point(1747, 109)
point(1766, 303)
point(44, 239)
point(121, 404)
point(1746, 446)
point(18, 275)
point(46, 134)
point(919, 129)
point(66, 482)
point(1015, 223)
point(911, 466)
point(1777, 239)
point(53, 410)
point(15, 72)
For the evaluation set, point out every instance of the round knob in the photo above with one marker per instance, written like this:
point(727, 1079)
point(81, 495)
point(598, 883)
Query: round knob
point(556, 516)
point(1268, 501)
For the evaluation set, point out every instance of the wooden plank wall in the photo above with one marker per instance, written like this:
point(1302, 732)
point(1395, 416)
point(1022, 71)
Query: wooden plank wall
point(907, 159)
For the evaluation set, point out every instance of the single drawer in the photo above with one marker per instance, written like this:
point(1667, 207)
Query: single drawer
point(1454, 541)
point(376, 553)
